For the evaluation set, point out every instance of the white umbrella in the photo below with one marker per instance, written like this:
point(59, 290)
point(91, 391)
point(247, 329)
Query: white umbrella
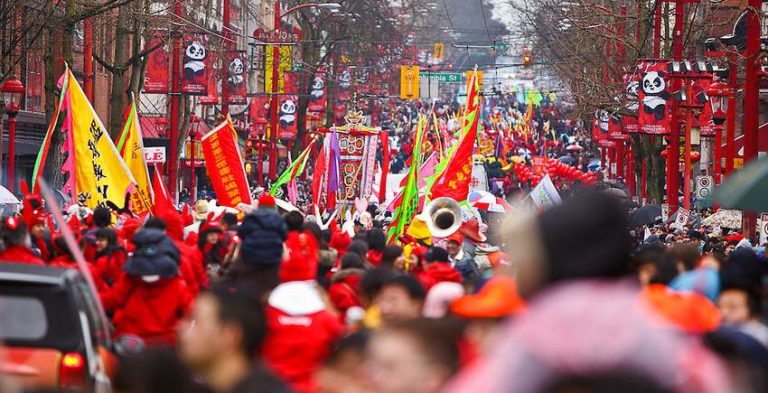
point(287, 206)
point(575, 147)
point(7, 198)
point(724, 218)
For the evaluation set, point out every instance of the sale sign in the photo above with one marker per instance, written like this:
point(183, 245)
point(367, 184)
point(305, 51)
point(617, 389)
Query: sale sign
point(156, 74)
point(225, 165)
point(653, 97)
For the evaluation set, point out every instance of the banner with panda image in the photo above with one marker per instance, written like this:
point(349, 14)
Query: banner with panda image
point(344, 80)
point(158, 64)
point(653, 97)
point(236, 77)
point(318, 94)
point(605, 128)
point(287, 115)
point(195, 74)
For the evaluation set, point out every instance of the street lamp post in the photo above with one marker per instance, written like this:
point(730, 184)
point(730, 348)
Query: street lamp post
point(194, 128)
point(273, 101)
point(719, 95)
point(12, 91)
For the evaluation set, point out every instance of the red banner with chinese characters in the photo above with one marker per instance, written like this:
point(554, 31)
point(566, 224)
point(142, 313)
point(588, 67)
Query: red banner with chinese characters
point(538, 164)
point(704, 119)
point(156, 74)
point(236, 77)
point(225, 165)
point(653, 97)
point(197, 64)
point(317, 96)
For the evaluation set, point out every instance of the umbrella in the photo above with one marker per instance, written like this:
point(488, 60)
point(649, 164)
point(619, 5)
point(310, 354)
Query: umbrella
point(646, 215)
point(746, 189)
point(574, 147)
point(724, 218)
point(287, 206)
point(594, 166)
point(7, 198)
point(568, 160)
point(616, 193)
point(484, 200)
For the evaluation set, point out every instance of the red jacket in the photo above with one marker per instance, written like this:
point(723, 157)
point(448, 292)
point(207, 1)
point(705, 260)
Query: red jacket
point(65, 262)
point(438, 272)
point(20, 254)
point(191, 268)
point(148, 310)
point(110, 267)
point(300, 334)
point(344, 291)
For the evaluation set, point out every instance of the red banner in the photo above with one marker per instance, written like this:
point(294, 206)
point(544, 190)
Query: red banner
point(704, 120)
point(236, 77)
point(345, 83)
point(258, 108)
point(156, 74)
point(653, 97)
point(629, 124)
point(212, 95)
point(317, 96)
point(197, 69)
point(225, 165)
point(287, 111)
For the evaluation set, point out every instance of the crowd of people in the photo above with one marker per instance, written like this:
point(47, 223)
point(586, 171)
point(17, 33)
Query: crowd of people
point(567, 299)
point(269, 302)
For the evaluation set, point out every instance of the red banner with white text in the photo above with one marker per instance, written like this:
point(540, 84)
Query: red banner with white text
point(653, 96)
point(158, 60)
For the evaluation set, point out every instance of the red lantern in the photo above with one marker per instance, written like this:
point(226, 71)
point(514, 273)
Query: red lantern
point(695, 156)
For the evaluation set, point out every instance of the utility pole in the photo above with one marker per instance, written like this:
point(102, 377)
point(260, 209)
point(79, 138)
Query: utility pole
point(673, 155)
point(751, 98)
point(88, 59)
point(173, 155)
point(227, 41)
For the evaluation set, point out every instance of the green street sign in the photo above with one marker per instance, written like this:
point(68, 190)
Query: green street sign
point(442, 77)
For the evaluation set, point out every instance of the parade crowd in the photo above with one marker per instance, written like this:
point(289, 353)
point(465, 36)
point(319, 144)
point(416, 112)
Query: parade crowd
point(573, 298)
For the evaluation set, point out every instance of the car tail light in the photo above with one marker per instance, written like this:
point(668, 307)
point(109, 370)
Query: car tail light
point(72, 371)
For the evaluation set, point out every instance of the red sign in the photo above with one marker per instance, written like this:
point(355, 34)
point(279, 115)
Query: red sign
point(156, 74)
point(225, 166)
point(653, 97)
point(317, 96)
point(236, 77)
point(629, 123)
point(197, 69)
point(277, 36)
point(704, 119)
point(538, 164)
point(287, 114)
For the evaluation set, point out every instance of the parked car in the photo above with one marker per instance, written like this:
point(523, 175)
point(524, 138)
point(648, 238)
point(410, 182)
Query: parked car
point(54, 334)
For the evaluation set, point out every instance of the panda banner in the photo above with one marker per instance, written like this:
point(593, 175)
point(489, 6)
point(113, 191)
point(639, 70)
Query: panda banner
point(287, 111)
point(653, 97)
point(156, 74)
point(317, 95)
point(605, 128)
point(196, 71)
point(236, 77)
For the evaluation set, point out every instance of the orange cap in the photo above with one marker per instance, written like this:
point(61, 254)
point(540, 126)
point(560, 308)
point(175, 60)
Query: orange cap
point(688, 311)
point(497, 299)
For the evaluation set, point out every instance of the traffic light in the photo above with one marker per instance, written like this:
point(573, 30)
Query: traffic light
point(527, 59)
point(248, 149)
point(409, 82)
point(438, 51)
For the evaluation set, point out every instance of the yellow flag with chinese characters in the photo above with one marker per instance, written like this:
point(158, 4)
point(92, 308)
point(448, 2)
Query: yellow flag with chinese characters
point(100, 174)
point(131, 148)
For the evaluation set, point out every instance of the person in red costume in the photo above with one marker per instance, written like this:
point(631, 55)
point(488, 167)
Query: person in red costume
point(110, 256)
point(16, 242)
point(191, 262)
point(345, 291)
point(151, 298)
point(438, 269)
point(301, 327)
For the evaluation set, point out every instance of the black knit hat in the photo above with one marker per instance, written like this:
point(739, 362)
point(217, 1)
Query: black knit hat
point(585, 237)
point(155, 255)
point(262, 234)
point(436, 254)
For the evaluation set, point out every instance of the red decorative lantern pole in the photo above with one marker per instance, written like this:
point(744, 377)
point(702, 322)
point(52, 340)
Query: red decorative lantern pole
point(719, 95)
point(194, 132)
point(13, 91)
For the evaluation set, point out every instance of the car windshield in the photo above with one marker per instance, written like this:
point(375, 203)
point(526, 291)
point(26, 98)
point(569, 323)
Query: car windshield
point(40, 316)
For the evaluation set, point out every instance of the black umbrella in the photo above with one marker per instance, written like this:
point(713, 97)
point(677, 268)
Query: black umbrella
point(568, 160)
point(646, 215)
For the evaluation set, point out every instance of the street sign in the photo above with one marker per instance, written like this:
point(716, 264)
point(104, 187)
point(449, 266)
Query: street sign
point(763, 229)
point(682, 218)
point(428, 88)
point(409, 82)
point(704, 186)
point(154, 155)
point(664, 212)
point(442, 77)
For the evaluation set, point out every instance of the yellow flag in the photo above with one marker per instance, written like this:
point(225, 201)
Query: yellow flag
point(131, 148)
point(100, 173)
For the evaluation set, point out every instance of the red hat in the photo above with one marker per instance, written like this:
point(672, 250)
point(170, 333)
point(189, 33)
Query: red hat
point(340, 241)
point(301, 261)
point(210, 224)
point(266, 200)
point(174, 223)
point(457, 237)
point(129, 228)
point(471, 230)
